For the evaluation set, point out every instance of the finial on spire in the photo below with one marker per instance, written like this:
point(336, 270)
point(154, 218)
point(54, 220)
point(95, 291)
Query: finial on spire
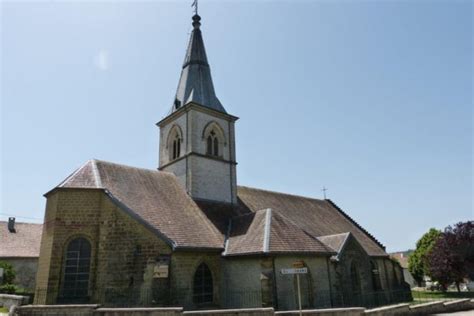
point(196, 19)
point(195, 6)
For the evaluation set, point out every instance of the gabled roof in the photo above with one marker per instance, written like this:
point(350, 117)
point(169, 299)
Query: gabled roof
point(195, 84)
point(158, 201)
point(336, 241)
point(267, 232)
point(315, 217)
point(154, 198)
point(23, 243)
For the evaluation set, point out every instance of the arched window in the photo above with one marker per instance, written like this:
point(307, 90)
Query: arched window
point(375, 276)
point(215, 139)
point(77, 269)
point(174, 140)
point(216, 147)
point(212, 144)
point(203, 291)
point(209, 145)
point(355, 279)
point(176, 147)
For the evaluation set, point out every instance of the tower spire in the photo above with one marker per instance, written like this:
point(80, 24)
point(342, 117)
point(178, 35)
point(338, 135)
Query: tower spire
point(195, 84)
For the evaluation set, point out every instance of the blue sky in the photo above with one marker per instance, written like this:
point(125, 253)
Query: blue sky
point(372, 99)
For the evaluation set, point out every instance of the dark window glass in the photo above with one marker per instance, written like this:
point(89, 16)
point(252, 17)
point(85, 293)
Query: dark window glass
point(203, 288)
point(178, 142)
point(174, 149)
point(209, 145)
point(355, 279)
point(216, 147)
point(77, 268)
point(375, 276)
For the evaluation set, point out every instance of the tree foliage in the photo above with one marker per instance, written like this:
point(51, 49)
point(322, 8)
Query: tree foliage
point(451, 259)
point(8, 273)
point(417, 262)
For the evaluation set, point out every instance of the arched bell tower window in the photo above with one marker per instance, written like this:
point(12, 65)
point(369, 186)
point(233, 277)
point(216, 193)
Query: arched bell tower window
point(212, 144)
point(176, 147)
point(175, 140)
point(76, 270)
point(203, 291)
point(214, 138)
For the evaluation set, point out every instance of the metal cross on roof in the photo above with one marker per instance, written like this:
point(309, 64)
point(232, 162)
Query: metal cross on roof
point(324, 189)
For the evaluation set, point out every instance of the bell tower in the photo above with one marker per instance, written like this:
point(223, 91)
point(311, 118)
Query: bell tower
point(197, 138)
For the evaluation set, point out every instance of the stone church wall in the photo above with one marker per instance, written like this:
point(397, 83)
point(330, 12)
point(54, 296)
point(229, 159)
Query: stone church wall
point(122, 249)
point(210, 179)
point(182, 270)
point(343, 293)
point(242, 281)
point(315, 288)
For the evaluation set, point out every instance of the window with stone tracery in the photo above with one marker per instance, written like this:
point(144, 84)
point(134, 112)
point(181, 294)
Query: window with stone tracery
point(212, 144)
point(175, 140)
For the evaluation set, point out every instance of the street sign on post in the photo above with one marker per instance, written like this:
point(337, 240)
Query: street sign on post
point(294, 271)
point(298, 269)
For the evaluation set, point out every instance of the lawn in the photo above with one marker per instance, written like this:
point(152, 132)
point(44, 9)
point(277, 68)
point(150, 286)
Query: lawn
point(433, 296)
point(3, 310)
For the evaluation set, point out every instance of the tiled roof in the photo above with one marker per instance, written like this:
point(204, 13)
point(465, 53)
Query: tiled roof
point(267, 232)
point(316, 217)
point(155, 198)
point(335, 242)
point(402, 258)
point(24, 243)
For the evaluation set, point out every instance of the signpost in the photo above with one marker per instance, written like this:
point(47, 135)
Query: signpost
point(298, 268)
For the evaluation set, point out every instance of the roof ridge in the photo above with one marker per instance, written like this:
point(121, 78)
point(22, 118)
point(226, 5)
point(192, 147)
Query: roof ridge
point(267, 230)
point(282, 193)
point(70, 176)
point(355, 223)
point(333, 235)
point(128, 166)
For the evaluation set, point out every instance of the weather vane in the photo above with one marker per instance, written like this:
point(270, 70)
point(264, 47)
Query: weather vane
point(195, 6)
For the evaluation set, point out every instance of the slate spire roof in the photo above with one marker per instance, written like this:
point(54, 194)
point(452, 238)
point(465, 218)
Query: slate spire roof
point(195, 84)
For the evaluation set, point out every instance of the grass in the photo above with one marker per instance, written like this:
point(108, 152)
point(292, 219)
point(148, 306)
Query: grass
point(427, 296)
point(3, 310)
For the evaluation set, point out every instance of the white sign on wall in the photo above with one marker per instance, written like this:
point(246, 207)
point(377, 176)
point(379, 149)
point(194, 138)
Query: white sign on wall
point(294, 271)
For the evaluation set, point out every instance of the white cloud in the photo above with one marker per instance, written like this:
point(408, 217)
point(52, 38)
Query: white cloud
point(102, 60)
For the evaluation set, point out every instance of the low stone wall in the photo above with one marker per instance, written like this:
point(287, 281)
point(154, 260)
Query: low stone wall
point(94, 310)
point(427, 308)
point(459, 305)
point(8, 300)
point(167, 311)
point(423, 309)
point(235, 312)
point(56, 310)
point(350, 311)
point(399, 309)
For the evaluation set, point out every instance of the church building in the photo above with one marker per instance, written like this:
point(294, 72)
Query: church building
point(187, 235)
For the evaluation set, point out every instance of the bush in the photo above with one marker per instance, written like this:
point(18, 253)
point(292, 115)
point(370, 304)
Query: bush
point(8, 289)
point(8, 273)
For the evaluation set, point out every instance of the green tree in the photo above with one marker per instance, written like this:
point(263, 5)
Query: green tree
point(8, 273)
point(417, 262)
